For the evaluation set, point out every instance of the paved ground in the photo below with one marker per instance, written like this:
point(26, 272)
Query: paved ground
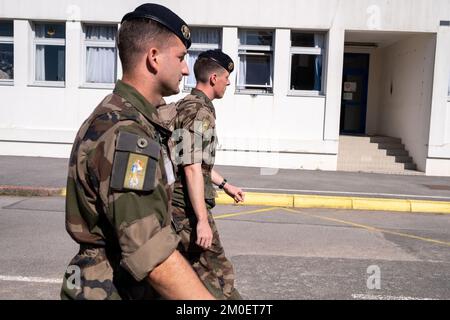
point(278, 253)
point(52, 173)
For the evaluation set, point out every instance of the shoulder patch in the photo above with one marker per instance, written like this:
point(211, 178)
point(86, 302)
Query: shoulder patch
point(135, 161)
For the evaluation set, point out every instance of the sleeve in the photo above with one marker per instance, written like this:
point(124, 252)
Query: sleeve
point(139, 215)
point(197, 132)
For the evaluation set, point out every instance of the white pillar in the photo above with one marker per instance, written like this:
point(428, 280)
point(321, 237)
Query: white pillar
point(281, 62)
point(335, 58)
point(440, 93)
point(74, 63)
point(230, 47)
point(22, 51)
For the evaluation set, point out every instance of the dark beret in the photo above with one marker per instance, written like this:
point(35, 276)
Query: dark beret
point(164, 16)
point(219, 57)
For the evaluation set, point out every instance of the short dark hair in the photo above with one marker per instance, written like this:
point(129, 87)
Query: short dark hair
point(134, 38)
point(204, 67)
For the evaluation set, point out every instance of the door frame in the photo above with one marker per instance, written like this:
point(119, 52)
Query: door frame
point(364, 94)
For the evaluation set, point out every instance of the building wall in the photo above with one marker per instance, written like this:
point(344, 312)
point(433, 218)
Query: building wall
point(296, 131)
point(438, 162)
point(405, 94)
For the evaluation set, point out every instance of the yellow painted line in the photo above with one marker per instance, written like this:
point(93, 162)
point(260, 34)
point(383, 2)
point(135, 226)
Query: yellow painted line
point(259, 199)
point(63, 192)
point(336, 202)
point(228, 215)
point(332, 202)
point(311, 201)
point(370, 228)
point(430, 206)
point(379, 204)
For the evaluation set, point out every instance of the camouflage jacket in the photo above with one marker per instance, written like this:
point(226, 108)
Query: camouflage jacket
point(196, 140)
point(119, 192)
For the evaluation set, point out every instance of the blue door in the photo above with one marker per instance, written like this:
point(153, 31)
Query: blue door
point(354, 93)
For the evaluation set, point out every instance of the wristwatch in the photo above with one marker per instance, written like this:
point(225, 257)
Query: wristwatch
point(223, 184)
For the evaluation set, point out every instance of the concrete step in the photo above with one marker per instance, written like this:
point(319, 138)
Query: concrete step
point(374, 154)
point(410, 166)
point(391, 146)
point(383, 139)
point(403, 159)
point(397, 152)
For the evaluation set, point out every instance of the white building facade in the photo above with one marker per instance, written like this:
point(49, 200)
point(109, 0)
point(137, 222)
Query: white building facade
point(306, 72)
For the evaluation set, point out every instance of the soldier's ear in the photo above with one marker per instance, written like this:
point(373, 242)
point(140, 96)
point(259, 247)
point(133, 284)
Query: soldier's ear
point(213, 79)
point(153, 59)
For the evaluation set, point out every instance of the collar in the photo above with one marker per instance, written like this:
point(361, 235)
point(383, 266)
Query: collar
point(138, 101)
point(203, 96)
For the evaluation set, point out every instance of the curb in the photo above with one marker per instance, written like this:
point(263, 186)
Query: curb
point(331, 202)
point(282, 200)
point(24, 191)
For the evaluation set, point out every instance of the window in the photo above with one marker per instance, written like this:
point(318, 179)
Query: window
point(202, 39)
point(6, 51)
point(100, 54)
point(255, 72)
point(50, 52)
point(307, 52)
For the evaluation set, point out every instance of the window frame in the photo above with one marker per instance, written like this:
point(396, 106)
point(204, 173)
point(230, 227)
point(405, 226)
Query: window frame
point(314, 51)
point(47, 42)
point(8, 40)
point(256, 50)
point(196, 46)
point(97, 44)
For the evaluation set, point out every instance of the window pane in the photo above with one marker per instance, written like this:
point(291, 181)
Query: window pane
point(50, 63)
point(259, 38)
point(50, 30)
point(100, 65)
point(205, 36)
point(102, 33)
point(191, 58)
point(6, 29)
point(312, 40)
point(306, 72)
point(255, 70)
point(6, 61)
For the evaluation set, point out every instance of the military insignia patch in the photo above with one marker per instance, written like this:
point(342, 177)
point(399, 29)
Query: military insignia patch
point(230, 66)
point(205, 125)
point(142, 143)
point(135, 174)
point(186, 32)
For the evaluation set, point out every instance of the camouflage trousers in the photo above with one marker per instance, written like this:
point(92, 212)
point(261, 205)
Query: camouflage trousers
point(213, 268)
point(92, 276)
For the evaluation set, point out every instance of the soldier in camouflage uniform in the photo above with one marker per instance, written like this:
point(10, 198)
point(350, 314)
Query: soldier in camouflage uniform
point(194, 194)
point(120, 182)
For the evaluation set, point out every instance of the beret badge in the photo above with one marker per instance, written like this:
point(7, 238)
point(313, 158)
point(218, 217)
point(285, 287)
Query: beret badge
point(186, 32)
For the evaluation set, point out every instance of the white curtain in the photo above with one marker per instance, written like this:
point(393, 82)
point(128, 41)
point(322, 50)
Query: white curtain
point(207, 36)
point(102, 33)
point(242, 70)
point(318, 43)
point(39, 30)
point(100, 65)
point(200, 36)
point(40, 63)
point(192, 57)
point(100, 61)
point(61, 64)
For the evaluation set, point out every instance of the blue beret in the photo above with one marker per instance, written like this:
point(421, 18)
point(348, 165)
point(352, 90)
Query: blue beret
point(220, 58)
point(164, 16)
